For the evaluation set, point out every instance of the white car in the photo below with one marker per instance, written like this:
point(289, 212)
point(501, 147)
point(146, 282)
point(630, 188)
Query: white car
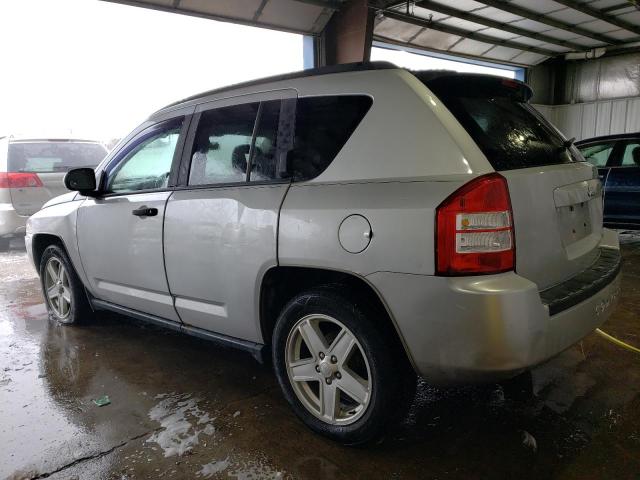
point(363, 223)
point(32, 171)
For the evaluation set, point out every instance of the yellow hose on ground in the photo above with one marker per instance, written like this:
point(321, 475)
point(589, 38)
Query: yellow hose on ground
point(620, 343)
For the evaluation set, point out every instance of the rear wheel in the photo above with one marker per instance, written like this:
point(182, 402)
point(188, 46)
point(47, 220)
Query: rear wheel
point(336, 367)
point(64, 293)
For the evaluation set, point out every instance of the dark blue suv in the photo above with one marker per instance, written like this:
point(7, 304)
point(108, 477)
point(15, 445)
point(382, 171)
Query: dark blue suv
point(618, 160)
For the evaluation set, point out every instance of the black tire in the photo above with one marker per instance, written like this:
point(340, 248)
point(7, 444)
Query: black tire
point(79, 310)
point(5, 244)
point(390, 382)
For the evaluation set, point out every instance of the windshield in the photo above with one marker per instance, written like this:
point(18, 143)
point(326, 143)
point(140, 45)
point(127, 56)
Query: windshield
point(48, 157)
point(509, 131)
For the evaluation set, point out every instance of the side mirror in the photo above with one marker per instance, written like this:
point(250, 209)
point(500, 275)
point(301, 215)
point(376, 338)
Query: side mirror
point(81, 180)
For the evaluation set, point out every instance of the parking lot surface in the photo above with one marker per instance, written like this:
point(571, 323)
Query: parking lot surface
point(182, 408)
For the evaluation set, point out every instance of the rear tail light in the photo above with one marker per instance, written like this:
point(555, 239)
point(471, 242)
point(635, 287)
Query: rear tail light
point(19, 180)
point(474, 229)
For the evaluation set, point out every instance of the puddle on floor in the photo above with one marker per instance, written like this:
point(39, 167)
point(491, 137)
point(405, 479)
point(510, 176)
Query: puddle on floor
point(181, 421)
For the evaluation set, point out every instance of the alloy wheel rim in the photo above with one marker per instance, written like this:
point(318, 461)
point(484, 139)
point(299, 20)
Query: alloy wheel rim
point(57, 289)
point(328, 369)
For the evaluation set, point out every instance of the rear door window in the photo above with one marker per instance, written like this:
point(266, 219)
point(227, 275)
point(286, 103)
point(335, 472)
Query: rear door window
point(497, 115)
point(221, 149)
point(49, 157)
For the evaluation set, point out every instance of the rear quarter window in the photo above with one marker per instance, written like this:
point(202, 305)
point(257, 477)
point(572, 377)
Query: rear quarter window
point(323, 126)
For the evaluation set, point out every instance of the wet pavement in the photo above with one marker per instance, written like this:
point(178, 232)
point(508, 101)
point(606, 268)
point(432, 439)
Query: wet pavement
point(182, 408)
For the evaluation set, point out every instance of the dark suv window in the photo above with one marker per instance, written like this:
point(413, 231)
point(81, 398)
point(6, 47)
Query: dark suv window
point(323, 126)
point(497, 115)
point(224, 136)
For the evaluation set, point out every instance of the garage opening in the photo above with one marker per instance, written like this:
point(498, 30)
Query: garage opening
point(101, 68)
point(414, 59)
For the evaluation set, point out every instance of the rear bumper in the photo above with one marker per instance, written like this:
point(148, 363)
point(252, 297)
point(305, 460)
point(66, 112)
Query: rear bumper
point(487, 328)
point(11, 224)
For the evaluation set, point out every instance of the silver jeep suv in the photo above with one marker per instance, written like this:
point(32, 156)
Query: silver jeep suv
point(361, 223)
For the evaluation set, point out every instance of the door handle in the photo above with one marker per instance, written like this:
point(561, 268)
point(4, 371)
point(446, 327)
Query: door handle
point(145, 211)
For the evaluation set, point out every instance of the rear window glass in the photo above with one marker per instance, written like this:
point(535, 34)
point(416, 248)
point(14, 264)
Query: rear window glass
point(509, 131)
point(48, 157)
point(323, 126)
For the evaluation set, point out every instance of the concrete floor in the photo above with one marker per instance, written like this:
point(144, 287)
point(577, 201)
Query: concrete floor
point(181, 408)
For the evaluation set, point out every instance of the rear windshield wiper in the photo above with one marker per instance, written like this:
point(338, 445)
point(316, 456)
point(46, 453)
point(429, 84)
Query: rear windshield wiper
point(566, 144)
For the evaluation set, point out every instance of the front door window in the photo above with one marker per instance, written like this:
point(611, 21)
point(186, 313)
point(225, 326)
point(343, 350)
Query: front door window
point(147, 165)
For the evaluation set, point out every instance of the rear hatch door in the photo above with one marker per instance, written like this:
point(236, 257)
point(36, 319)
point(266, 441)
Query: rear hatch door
point(48, 161)
point(557, 212)
point(555, 195)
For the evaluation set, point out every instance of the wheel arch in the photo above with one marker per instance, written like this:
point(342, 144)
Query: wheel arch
point(39, 244)
point(281, 283)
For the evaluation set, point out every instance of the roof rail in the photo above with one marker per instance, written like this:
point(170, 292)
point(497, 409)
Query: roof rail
point(311, 72)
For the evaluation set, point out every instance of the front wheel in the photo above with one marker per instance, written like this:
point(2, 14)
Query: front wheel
point(64, 293)
point(336, 367)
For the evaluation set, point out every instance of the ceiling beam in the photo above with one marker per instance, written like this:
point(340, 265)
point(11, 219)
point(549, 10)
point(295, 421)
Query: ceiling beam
point(539, 17)
point(421, 22)
point(412, 46)
point(330, 4)
point(618, 6)
point(595, 13)
point(440, 8)
point(258, 12)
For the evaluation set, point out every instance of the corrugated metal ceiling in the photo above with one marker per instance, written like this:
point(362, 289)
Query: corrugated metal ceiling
point(520, 32)
point(299, 16)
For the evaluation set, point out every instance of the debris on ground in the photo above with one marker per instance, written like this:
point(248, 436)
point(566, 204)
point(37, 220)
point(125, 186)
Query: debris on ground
point(529, 441)
point(102, 401)
point(214, 467)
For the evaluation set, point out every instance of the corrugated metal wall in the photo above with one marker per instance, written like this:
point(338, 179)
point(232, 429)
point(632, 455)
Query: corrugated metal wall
point(604, 78)
point(592, 119)
point(560, 82)
point(589, 98)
